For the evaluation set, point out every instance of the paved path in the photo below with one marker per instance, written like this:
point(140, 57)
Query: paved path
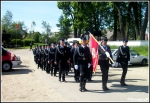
point(137, 79)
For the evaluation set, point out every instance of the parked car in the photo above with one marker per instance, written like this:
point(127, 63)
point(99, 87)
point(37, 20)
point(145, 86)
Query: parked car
point(135, 58)
point(9, 59)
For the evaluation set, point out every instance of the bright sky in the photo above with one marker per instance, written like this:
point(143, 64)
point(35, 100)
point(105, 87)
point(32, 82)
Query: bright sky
point(37, 11)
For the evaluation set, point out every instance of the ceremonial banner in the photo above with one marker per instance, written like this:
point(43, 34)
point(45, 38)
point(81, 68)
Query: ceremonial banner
point(93, 45)
point(16, 26)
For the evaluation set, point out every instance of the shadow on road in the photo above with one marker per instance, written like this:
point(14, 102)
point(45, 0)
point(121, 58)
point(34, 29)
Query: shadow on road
point(18, 70)
point(119, 88)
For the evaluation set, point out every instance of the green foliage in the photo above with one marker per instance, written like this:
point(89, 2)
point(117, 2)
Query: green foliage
point(26, 42)
point(143, 50)
point(19, 42)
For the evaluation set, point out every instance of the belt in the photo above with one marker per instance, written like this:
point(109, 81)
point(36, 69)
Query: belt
point(104, 59)
point(83, 58)
point(123, 56)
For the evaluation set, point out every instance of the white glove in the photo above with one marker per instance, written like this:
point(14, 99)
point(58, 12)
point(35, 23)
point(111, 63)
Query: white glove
point(89, 65)
point(107, 54)
point(116, 64)
point(128, 62)
point(113, 64)
point(76, 67)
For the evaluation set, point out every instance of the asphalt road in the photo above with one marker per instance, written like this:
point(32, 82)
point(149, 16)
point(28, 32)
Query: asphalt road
point(137, 79)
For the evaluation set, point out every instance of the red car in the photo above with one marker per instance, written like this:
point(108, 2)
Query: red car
point(9, 60)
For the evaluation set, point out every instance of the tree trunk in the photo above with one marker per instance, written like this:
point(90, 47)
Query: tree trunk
point(79, 33)
point(120, 20)
point(143, 29)
point(115, 25)
point(128, 20)
point(75, 32)
point(135, 10)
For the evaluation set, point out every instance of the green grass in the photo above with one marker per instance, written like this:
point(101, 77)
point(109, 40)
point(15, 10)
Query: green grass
point(142, 50)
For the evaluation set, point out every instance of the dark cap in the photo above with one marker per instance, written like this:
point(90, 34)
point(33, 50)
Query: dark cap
point(53, 43)
point(62, 39)
point(66, 43)
point(84, 38)
point(76, 42)
point(125, 40)
point(104, 39)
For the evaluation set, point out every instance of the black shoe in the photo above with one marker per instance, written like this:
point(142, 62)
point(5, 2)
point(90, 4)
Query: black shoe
point(123, 84)
point(105, 89)
point(64, 81)
point(59, 80)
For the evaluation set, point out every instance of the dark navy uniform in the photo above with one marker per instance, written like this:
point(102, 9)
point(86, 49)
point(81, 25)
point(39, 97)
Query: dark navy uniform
point(38, 55)
point(61, 57)
point(46, 59)
point(104, 63)
point(76, 71)
point(34, 53)
point(82, 59)
point(123, 57)
point(42, 58)
point(51, 58)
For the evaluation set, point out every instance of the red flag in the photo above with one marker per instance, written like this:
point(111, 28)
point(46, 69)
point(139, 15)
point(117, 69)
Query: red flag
point(16, 26)
point(93, 44)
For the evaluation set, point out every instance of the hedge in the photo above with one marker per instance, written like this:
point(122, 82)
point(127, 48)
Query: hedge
point(26, 42)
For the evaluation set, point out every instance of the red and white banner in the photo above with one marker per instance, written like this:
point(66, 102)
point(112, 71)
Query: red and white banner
point(16, 26)
point(93, 45)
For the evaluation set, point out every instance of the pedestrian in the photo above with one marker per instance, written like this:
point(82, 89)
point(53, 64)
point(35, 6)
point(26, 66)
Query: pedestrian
point(46, 58)
point(30, 46)
point(104, 61)
point(123, 57)
point(42, 58)
point(82, 61)
point(76, 71)
point(38, 55)
point(51, 58)
point(62, 58)
point(68, 64)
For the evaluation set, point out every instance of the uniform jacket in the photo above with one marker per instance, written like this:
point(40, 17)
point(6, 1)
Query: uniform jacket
point(123, 54)
point(51, 54)
point(81, 53)
point(61, 54)
point(102, 54)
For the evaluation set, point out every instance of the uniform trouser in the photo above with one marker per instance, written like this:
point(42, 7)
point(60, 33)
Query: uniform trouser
point(90, 72)
point(35, 59)
point(67, 68)
point(47, 67)
point(62, 69)
point(83, 72)
point(76, 74)
point(53, 68)
point(104, 66)
point(124, 66)
point(39, 63)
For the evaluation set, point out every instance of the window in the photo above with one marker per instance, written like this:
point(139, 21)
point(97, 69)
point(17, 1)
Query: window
point(116, 53)
point(133, 53)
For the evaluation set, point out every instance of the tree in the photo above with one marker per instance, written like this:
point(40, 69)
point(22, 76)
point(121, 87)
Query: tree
point(47, 27)
point(7, 20)
point(65, 27)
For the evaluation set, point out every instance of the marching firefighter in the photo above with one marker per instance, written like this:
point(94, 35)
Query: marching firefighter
point(62, 58)
point(123, 57)
point(104, 52)
point(82, 61)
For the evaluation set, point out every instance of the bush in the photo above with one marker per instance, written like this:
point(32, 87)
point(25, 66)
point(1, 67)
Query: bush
point(19, 42)
point(26, 42)
point(143, 50)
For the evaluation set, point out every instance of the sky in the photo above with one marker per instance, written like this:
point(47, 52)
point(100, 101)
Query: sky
point(37, 11)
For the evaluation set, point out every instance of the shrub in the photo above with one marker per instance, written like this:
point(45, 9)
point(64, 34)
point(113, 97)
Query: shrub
point(26, 42)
